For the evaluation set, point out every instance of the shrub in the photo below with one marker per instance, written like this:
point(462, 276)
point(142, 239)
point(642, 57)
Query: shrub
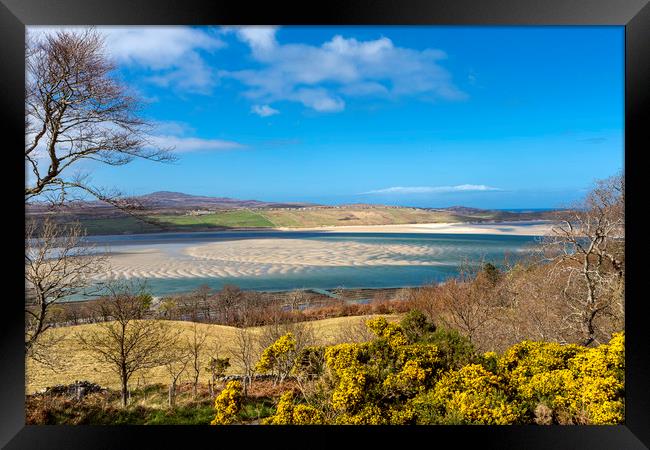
point(278, 357)
point(228, 403)
point(470, 395)
point(309, 363)
point(416, 326)
point(390, 380)
point(392, 332)
point(456, 349)
point(290, 413)
point(581, 385)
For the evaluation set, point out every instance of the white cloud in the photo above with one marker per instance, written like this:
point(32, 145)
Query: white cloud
point(320, 77)
point(433, 189)
point(260, 39)
point(179, 135)
point(264, 110)
point(172, 53)
point(182, 144)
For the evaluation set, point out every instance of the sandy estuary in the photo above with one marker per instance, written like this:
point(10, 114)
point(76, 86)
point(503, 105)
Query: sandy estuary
point(354, 257)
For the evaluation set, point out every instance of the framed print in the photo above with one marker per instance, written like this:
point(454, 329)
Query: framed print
point(364, 220)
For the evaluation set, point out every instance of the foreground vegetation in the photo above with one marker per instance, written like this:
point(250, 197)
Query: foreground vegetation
point(148, 406)
point(414, 374)
point(410, 372)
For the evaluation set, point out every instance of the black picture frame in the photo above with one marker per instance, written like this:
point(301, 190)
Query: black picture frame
point(634, 15)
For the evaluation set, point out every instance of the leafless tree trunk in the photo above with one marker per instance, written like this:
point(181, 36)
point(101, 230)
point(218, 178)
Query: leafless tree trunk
point(296, 298)
point(245, 354)
point(196, 347)
point(176, 359)
point(128, 343)
point(57, 264)
point(587, 249)
point(217, 366)
point(75, 110)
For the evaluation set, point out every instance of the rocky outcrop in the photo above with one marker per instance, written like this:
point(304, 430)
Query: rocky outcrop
point(78, 389)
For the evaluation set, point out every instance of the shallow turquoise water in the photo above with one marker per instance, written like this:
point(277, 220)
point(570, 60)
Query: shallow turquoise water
point(450, 251)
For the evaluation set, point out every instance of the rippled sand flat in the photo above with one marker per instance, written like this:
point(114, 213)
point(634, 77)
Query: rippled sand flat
point(259, 257)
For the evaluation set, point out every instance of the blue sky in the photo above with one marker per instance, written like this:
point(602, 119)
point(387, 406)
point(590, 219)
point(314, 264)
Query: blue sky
point(493, 117)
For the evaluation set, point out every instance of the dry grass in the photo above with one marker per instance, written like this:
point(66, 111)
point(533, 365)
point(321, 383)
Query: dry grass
point(355, 216)
point(78, 364)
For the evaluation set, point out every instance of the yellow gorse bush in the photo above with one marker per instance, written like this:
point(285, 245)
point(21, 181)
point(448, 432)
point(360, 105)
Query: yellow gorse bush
point(392, 332)
point(389, 381)
point(585, 385)
point(278, 355)
point(349, 374)
point(472, 394)
point(228, 403)
point(289, 413)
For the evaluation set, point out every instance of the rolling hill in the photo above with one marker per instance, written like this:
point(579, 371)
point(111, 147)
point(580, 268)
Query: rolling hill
point(175, 211)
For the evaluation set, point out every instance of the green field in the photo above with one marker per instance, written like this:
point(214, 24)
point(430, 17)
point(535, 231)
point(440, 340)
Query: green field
point(243, 218)
point(290, 218)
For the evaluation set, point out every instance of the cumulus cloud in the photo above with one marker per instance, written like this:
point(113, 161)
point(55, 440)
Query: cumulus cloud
point(260, 39)
point(180, 136)
point(183, 144)
point(433, 189)
point(320, 77)
point(173, 54)
point(264, 110)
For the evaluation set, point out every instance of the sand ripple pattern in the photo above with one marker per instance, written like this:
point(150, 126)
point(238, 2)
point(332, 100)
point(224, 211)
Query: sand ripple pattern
point(261, 257)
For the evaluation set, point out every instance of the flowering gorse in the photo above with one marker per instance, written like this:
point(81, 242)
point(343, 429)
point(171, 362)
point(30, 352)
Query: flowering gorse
point(228, 403)
point(393, 380)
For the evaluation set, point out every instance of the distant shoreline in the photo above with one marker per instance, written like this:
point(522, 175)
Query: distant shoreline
point(515, 228)
point(523, 228)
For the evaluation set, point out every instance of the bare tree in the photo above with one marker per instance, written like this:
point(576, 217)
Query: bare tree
point(127, 343)
point(217, 365)
point(76, 110)
point(587, 250)
point(196, 346)
point(463, 303)
point(245, 354)
point(229, 299)
point(176, 359)
point(529, 306)
point(58, 263)
point(296, 298)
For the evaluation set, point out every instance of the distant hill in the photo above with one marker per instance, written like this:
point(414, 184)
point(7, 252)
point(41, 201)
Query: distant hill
point(167, 201)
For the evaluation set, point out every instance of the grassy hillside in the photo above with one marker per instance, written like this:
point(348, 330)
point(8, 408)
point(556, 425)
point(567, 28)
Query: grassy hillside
point(243, 218)
point(78, 364)
point(269, 218)
point(289, 217)
point(352, 216)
